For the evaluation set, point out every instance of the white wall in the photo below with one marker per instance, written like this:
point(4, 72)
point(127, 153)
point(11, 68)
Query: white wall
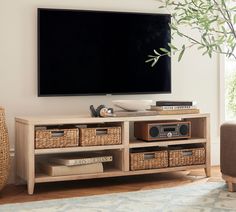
point(194, 78)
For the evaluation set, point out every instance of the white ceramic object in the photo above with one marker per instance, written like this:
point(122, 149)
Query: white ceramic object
point(133, 105)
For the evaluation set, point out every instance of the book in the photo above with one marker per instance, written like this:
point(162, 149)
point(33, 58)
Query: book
point(60, 170)
point(76, 160)
point(134, 113)
point(175, 112)
point(175, 103)
point(180, 107)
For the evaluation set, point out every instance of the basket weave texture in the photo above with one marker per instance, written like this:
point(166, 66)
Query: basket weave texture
point(100, 136)
point(185, 157)
point(56, 138)
point(4, 150)
point(149, 160)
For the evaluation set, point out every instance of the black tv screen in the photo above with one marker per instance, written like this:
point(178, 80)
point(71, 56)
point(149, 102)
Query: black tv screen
point(98, 52)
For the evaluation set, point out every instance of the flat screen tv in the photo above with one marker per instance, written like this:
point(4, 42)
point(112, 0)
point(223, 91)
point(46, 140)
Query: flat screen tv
point(98, 52)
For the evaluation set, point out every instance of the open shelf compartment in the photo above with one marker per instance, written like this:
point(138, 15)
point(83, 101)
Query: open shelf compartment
point(114, 166)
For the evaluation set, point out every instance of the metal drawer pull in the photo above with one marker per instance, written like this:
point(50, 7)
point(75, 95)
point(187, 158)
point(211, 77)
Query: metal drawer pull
point(57, 133)
point(187, 152)
point(101, 131)
point(148, 156)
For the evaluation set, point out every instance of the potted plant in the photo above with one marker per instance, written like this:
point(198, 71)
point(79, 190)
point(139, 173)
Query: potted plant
point(214, 20)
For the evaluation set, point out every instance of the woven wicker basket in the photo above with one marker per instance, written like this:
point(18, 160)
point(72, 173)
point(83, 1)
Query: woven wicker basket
point(4, 150)
point(100, 136)
point(56, 138)
point(185, 157)
point(149, 160)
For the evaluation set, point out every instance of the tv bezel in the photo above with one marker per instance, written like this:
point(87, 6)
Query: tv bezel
point(93, 94)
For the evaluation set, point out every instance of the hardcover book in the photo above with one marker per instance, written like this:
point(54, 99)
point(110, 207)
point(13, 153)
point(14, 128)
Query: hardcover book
point(60, 170)
point(180, 107)
point(134, 113)
point(175, 112)
point(175, 103)
point(76, 160)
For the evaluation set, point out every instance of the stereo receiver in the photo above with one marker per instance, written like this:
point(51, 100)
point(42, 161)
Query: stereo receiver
point(152, 131)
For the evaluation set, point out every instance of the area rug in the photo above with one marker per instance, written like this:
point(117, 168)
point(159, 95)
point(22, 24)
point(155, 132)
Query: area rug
point(204, 197)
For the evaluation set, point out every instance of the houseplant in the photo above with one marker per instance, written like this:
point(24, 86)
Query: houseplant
point(214, 25)
point(213, 20)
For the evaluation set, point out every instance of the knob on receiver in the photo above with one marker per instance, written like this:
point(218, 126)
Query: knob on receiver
point(154, 131)
point(183, 129)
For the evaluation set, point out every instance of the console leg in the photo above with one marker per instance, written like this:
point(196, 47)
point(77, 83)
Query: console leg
point(208, 171)
point(30, 187)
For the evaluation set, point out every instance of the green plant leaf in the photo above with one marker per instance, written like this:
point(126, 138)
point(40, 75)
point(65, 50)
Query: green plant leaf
point(164, 50)
point(149, 60)
point(155, 60)
point(181, 53)
point(235, 19)
point(172, 46)
point(156, 52)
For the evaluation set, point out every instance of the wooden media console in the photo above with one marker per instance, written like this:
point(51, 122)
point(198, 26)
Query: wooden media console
point(27, 154)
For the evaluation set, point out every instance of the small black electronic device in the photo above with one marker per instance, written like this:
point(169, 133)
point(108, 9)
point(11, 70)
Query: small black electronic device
point(101, 111)
point(93, 111)
point(152, 131)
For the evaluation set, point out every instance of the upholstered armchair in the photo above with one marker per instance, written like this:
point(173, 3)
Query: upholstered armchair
point(228, 153)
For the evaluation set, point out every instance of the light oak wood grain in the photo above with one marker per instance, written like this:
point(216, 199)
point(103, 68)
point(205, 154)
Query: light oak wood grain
point(76, 119)
point(26, 152)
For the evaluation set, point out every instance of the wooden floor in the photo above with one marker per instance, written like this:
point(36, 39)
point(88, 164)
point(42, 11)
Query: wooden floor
point(45, 191)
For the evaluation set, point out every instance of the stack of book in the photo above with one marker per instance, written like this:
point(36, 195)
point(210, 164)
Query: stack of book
point(175, 107)
point(60, 166)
